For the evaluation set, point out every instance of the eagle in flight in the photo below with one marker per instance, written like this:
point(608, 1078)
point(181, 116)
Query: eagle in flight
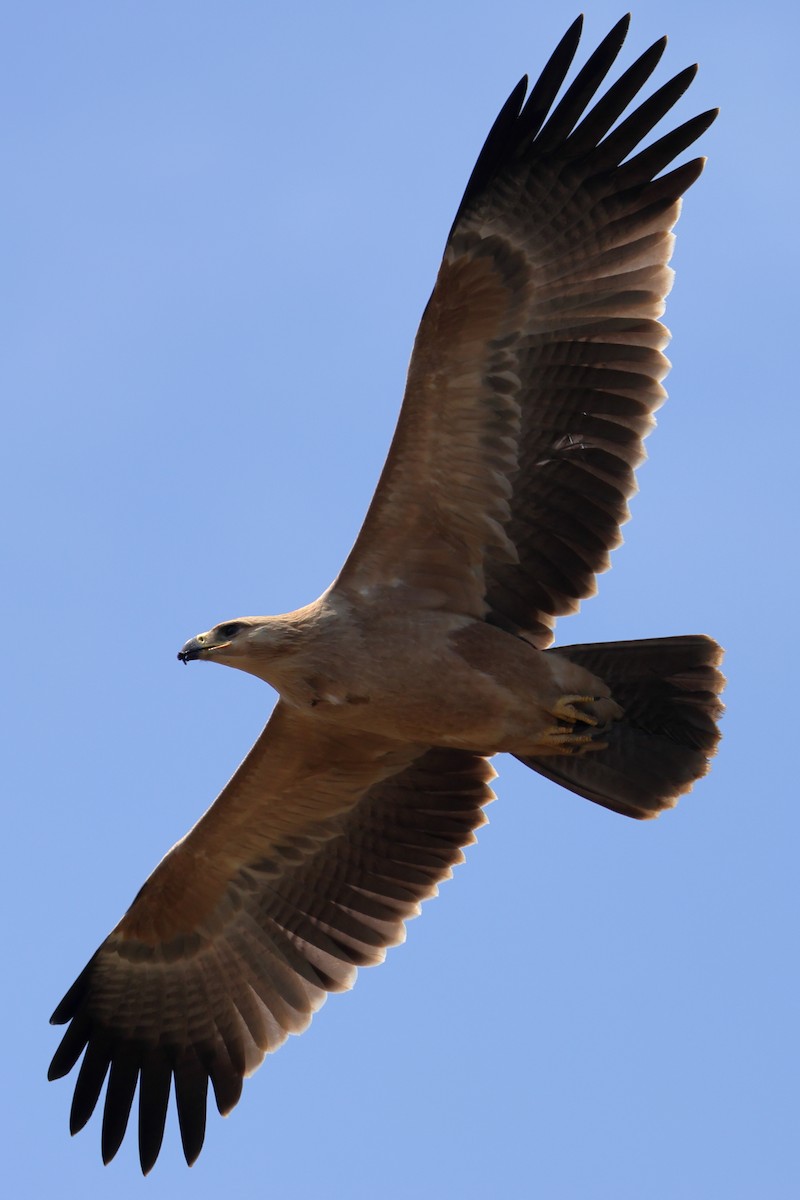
point(533, 382)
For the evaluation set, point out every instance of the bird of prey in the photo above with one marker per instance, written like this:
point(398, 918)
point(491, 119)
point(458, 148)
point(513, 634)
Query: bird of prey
point(533, 382)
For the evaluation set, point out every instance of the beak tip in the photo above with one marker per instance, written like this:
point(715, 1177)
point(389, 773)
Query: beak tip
point(195, 648)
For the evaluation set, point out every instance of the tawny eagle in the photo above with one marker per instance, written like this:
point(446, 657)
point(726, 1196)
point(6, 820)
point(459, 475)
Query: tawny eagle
point(534, 378)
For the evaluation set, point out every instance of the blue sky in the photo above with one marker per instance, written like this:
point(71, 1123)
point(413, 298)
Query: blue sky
point(222, 223)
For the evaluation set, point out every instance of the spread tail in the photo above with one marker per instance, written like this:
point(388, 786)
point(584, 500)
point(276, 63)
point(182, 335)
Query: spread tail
point(669, 691)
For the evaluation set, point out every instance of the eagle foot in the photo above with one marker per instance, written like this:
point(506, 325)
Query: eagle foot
point(565, 710)
point(564, 738)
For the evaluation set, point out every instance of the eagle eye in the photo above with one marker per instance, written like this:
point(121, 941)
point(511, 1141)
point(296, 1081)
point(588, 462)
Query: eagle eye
point(230, 630)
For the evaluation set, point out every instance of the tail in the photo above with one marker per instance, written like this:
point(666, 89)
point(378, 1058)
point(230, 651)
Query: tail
point(669, 690)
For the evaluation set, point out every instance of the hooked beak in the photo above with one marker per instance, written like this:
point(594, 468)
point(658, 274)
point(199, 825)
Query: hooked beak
point(196, 647)
point(202, 646)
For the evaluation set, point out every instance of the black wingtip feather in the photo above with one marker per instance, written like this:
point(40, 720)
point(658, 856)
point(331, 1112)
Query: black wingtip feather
point(71, 1002)
point(191, 1091)
point(91, 1078)
point(546, 87)
point(154, 1089)
point(583, 87)
point(119, 1098)
point(71, 1047)
point(621, 141)
point(596, 124)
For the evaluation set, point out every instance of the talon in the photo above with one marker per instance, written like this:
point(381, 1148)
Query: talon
point(558, 740)
point(591, 746)
point(565, 709)
point(558, 736)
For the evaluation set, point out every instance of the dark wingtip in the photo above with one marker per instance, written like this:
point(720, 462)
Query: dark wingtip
point(70, 1004)
point(191, 1090)
point(572, 36)
point(154, 1090)
point(688, 73)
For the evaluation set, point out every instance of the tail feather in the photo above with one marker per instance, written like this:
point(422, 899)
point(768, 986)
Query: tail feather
point(669, 690)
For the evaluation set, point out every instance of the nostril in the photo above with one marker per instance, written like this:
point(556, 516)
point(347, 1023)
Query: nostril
point(201, 639)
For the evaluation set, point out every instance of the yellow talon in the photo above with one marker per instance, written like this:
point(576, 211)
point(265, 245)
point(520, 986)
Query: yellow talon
point(591, 746)
point(558, 740)
point(565, 709)
point(558, 736)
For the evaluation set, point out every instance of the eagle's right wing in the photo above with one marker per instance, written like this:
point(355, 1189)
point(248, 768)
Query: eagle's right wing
point(304, 869)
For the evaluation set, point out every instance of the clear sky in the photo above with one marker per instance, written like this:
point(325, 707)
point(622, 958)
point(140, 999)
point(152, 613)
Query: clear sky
point(221, 223)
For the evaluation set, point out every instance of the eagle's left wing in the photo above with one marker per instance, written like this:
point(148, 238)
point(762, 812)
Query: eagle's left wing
point(537, 365)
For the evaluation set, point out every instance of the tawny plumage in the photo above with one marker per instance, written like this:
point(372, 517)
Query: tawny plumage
point(535, 375)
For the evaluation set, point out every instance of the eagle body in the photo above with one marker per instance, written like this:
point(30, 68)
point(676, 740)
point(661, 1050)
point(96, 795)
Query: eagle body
point(459, 682)
point(533, 382)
